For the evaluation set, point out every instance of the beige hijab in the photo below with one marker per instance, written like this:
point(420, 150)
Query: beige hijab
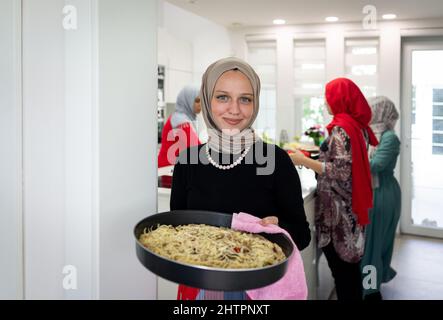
point(218, 140)
point(384, 117)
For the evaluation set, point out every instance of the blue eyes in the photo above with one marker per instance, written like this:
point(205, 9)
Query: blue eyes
point(245, 100)
point(225, 98)
point(222, 98)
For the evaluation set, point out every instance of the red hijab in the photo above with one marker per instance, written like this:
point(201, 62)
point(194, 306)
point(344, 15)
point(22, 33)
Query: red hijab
point(352, 113)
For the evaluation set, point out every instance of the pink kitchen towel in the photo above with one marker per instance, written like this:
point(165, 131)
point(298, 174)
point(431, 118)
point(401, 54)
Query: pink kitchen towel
point(293, 284)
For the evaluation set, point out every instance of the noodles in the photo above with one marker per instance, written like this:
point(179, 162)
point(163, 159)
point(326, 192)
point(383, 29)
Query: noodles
point(209, 246)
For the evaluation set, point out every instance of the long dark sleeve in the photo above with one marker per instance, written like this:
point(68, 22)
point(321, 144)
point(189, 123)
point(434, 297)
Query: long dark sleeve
point(289, 198)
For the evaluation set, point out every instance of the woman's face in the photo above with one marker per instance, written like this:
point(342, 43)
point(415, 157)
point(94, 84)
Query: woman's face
point(197, 105)
point(232, 103)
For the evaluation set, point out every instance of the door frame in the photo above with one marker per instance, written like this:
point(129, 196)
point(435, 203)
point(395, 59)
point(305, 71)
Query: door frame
point(409, 45)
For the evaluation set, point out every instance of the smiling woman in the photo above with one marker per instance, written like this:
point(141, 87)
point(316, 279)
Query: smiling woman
point(228, 177)
point(232, 104)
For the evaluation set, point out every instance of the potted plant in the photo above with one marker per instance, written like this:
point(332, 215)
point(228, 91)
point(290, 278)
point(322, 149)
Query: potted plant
point(316, 133)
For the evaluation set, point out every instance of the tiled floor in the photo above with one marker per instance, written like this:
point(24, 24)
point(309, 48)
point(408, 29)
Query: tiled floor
point(419, 265)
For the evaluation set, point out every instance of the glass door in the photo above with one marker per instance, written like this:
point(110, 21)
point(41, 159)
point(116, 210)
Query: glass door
point(422, 138)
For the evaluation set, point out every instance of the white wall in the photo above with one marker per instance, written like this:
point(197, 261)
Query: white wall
point(187, 45)
point(89, 110)
point(43, 148)
point(80, 182)
point(127, 142)
point(176, 55)
point(11, 259)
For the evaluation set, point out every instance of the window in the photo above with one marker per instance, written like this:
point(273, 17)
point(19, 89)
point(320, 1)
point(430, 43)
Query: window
point(310, 77)
point(262, 57)
point(361, 62)
point(437, 121)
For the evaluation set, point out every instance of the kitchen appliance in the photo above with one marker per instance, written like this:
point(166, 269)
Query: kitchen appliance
point(207, 277)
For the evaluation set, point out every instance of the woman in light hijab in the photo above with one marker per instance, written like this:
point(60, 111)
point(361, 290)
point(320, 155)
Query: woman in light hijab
point(226, 176)
point(179, 130)
point(343, 185)
point(385, 214)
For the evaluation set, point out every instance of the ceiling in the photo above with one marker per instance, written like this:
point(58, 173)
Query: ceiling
point(261, 12)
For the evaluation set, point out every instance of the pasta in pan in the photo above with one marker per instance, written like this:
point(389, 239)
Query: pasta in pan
point(210, 246)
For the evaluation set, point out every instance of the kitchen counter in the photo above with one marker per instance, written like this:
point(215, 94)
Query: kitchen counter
point(167, 290)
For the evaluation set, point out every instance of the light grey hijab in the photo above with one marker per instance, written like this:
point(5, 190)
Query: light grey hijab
point(184, 107)
point(384, 115)
point(218, 140)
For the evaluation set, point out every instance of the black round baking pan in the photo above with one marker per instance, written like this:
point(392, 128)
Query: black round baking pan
point(205, 277)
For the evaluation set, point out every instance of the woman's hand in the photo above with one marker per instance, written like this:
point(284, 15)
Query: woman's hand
point(297, 157)
point(269, 220)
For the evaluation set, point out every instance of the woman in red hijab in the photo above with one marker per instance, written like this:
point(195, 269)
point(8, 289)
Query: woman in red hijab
point(344, 185)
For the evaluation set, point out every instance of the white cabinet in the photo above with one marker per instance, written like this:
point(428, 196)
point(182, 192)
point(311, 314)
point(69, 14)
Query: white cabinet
point(309, 254)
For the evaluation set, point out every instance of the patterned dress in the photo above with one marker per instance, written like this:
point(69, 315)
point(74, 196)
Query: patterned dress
point(334, 218)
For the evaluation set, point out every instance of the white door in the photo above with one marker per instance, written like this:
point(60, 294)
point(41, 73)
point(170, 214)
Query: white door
point(422, 138)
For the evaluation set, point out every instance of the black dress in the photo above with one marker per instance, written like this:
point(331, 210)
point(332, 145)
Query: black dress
point(202, 186)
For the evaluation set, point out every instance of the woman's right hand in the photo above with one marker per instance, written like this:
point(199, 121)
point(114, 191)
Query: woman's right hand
point(297, 157)
point(269, 220)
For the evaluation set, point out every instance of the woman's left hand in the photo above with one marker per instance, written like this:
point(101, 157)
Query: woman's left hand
point(269, 220)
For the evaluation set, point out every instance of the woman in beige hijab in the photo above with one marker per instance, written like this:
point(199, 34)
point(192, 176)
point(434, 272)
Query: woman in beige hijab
point(236, 171)
point(385, 214)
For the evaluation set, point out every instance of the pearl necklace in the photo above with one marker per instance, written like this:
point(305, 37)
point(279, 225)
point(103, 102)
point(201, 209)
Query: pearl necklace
point(229, 166)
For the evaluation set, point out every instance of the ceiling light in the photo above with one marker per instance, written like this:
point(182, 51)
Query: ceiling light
point(331, 19)
point(278, 21)
point(389, 16)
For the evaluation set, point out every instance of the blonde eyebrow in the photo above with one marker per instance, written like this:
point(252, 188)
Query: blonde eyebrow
point(242, 94)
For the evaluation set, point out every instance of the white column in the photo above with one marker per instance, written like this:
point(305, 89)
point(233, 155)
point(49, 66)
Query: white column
point(335, 58)
point(390, 63)
point(389, 83)
point(11, 253)
point(80, 154)
point(285, 84)
point(127, 142)
point(43, 148)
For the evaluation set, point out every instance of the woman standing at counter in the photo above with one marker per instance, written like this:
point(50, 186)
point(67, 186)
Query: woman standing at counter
point(380, 233)
point(225, 175)
point(344, 185)
point(179, 132)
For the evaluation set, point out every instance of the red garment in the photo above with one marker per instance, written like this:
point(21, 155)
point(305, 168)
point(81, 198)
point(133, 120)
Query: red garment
point(179, 139)
point(352, 113)
point(187, 293)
